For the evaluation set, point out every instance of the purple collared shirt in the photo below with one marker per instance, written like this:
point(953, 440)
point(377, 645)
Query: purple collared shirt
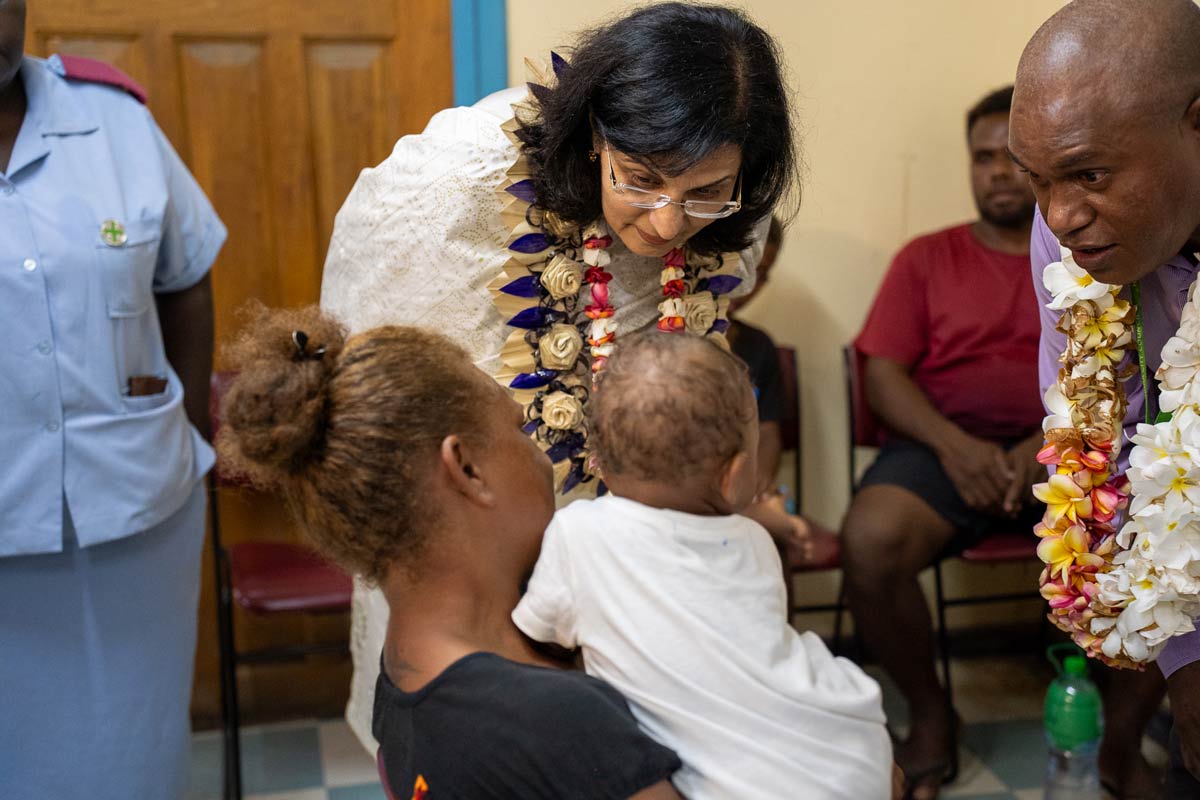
point(1164, 293)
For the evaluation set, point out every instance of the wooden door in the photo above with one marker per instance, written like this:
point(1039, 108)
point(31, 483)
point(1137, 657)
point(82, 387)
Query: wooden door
point(275, 105)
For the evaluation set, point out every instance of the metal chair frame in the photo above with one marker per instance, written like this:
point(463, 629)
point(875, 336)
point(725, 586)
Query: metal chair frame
point(229, 656)
point(792, 431)
point(231, 747)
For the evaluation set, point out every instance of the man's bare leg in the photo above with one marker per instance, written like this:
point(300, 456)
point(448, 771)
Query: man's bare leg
point(1130, 699)
point(889, 536)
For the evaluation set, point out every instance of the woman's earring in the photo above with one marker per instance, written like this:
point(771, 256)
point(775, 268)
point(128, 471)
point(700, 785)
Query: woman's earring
point(593, 156)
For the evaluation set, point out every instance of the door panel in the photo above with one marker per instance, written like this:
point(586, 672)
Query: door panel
point(222, 88)
point(342, 75)
point(127, 52)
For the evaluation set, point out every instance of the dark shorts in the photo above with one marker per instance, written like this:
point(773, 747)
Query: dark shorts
point(914, 467)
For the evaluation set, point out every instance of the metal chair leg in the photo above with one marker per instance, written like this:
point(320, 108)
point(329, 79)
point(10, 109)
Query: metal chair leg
point(231, 713)
point(230, 717)
point(838, 615)
point(943, 636)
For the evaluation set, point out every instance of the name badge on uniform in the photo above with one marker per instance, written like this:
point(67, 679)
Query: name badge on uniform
point(112, 233)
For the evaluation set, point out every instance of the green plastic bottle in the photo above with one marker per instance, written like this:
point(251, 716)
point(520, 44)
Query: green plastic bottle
point(1074, 724)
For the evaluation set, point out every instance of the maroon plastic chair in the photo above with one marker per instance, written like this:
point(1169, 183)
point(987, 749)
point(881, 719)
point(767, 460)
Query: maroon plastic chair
point(1008, 546)
point(263, 578)
point(789, 415)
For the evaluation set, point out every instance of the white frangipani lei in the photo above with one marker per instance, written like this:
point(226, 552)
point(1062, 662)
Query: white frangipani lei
point(1069, 283)
point(1155, 577)
point(1122, 595)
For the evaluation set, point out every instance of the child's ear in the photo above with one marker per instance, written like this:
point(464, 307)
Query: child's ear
point(739, 475)
point(461, 467)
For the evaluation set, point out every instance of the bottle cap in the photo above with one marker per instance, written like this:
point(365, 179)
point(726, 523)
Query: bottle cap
point(1075, 665)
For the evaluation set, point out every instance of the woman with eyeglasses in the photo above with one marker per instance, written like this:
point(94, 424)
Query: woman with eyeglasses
point(629, 186)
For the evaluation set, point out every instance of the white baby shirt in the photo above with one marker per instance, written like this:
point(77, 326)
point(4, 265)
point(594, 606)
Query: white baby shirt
point(686, 616)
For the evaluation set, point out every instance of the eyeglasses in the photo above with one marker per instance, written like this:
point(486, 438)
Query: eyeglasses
point(704, 209)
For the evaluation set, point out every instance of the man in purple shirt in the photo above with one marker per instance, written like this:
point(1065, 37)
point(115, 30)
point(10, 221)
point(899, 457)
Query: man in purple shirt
point(1106, 122)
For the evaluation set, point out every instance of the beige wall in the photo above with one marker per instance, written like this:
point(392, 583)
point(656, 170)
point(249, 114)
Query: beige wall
point(881, 89)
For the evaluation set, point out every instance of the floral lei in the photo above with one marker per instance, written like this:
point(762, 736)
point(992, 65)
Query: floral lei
point(554, 292)
point(1120, 595)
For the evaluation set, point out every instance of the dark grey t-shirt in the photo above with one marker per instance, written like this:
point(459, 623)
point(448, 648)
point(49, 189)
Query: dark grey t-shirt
point(491, 728)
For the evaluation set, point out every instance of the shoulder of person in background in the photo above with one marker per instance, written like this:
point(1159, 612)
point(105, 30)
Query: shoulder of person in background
point(756, 347)
point(930, 246)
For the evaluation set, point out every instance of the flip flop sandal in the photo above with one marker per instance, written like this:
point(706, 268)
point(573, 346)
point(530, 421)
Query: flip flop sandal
point(950, 763)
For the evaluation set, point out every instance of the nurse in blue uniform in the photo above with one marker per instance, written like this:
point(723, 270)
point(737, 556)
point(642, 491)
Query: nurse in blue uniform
point(106, 242)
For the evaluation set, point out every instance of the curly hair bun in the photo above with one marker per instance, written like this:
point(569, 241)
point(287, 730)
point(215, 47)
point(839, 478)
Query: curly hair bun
point(275, 414)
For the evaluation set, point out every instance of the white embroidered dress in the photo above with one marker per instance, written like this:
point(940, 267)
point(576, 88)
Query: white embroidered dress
point(416, 243)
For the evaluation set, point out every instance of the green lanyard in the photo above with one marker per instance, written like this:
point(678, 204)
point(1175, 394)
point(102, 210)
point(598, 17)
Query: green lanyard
point(1139, 335)
point(1139, 332)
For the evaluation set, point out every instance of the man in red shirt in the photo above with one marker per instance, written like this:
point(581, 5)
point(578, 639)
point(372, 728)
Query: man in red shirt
point(949, 353)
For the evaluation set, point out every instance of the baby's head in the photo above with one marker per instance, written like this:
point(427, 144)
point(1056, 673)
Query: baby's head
point(380, 442)
point(674, 418)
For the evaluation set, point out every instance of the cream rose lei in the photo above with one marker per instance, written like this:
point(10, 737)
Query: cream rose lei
point(1120, 595)
point(554, 292)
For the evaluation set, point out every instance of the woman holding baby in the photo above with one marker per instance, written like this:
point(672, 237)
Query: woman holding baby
point(636, 180)
point(410, 467)
point(630, 188)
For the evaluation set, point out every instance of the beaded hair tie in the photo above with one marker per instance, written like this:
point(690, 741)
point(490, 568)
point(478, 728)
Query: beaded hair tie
point(300, 339)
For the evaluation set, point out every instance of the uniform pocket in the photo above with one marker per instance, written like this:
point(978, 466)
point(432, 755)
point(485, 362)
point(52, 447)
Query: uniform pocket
point(148, 402)
point(127, 271)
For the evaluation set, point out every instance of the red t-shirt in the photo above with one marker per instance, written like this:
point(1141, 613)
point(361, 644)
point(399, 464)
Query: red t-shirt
point(964, 319)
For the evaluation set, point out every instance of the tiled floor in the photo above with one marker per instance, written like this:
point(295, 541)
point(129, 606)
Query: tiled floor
point(303, 760)
point(999, 698)
point(1002, 753)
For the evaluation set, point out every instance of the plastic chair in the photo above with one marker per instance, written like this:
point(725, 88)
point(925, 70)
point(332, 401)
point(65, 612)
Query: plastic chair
point(264, 578)
point(1008, 546)
point(827, 553)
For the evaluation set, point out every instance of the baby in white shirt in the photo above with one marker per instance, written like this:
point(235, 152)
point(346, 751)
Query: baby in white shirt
point(679, 602)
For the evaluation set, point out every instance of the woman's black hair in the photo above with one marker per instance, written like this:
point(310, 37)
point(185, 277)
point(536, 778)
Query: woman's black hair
point(669, 83)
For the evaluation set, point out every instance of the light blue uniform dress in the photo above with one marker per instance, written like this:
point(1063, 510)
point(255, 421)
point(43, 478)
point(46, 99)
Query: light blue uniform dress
point(101, 494)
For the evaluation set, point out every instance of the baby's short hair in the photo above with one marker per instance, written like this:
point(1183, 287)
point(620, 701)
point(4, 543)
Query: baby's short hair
point(669, 405)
